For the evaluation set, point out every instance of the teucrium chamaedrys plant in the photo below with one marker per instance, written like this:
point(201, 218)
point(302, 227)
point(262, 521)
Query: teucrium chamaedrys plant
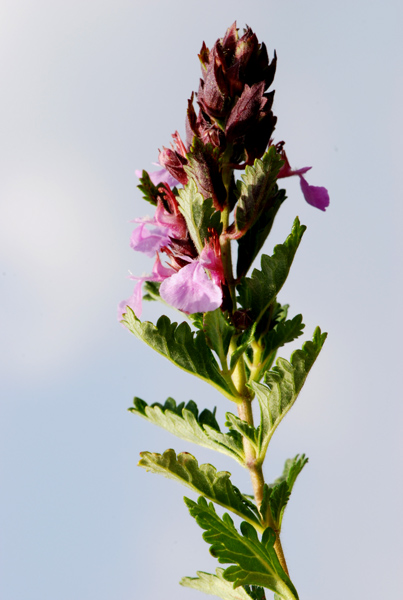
point(236, 323)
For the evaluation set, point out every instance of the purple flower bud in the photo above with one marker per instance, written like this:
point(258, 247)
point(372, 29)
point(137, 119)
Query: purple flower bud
point(173, 163)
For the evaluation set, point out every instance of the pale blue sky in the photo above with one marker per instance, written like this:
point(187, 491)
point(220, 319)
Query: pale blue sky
point(90, 91)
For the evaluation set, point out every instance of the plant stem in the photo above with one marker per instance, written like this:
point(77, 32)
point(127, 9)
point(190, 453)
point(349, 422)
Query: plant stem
point(254, 468)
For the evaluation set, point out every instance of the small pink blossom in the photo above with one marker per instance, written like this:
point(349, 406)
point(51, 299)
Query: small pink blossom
point(159, 273)
point(165, 226)
point(191, 289)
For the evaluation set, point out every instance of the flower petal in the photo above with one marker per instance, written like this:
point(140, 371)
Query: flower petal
point(315, 195)
point(149, 242)
point(191, 290)
point(134, 302)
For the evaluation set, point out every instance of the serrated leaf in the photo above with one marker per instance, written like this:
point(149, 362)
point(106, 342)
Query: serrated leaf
point(278, 500)
point(255, 592)
point(282, 333)
point(244, 342)
point(151, 290)
point(185, 423)
point(197, 212)
point(149, 190)
point(255, 562)
point(215, 585)
point(277, 494)
point(252, 242)
point(204, 479)
point(256, 189)
point(283, 385)
point(260, 290)
point(246, 430)
point(292, 468)
point(218, 332)
point(186, 349)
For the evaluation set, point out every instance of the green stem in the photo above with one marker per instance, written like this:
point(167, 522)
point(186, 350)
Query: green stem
point(240, 380)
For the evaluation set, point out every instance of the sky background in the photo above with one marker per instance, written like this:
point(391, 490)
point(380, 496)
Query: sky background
point(90, 91)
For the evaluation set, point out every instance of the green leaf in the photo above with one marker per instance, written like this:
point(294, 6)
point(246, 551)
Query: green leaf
point(256, 592)
point(204, 479)
point(218, 332)
point(246, 430)
point(277, 494)
point(185, 422)
point(198, 213)
point(149, 190)
point(254, 562)
point(256, 189)
point(186, 349)
point(215, 585)
point(151, 289)
point(243, 344)
point(292, 468)
point(283, 385)
point(259, 291)
point(252, 242)
point(282, 333)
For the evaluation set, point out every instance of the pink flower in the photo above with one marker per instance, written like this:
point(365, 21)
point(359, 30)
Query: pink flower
point(191, 289)
point(165, 226)
point(159, 273)
point(315, 195)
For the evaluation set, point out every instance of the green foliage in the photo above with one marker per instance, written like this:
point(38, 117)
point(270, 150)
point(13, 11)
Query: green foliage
point(257, 189)
point(151, 289)
point(215, 585)
point(204, 479)
point(283, 385)
point(259, 291)
point(276, 495)
point(283, 333)
point(187, 424)
point(148, 189)
point(198, 214)
point(280, 334)
point(218, 332)
point(186, 349)
point(252, 242)
point(248, 431)
point(254, 562)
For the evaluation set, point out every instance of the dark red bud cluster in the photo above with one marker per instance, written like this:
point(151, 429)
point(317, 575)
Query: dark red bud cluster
point(234, 105)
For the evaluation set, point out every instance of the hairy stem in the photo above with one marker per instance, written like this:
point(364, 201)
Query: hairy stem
point(254, 467)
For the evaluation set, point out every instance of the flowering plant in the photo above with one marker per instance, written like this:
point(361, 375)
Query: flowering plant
point(236, 323)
